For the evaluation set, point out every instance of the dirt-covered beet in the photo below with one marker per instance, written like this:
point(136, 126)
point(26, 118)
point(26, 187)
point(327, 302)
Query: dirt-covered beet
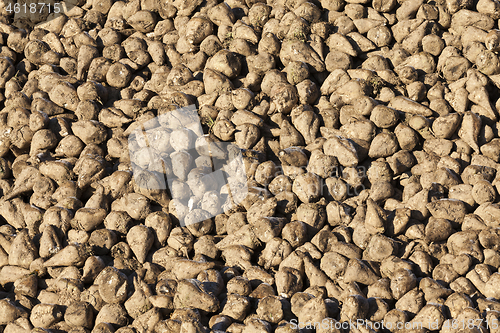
point(359, 142)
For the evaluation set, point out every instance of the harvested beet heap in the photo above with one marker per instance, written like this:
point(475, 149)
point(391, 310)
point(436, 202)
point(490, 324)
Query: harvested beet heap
point(370, 138)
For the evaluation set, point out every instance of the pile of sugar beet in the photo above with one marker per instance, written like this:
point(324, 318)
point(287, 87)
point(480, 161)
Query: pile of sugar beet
point(370, 138)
